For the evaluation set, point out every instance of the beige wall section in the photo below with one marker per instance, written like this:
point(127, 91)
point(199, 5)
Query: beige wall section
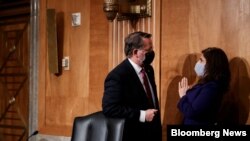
point(188, 26)
point(77, 91)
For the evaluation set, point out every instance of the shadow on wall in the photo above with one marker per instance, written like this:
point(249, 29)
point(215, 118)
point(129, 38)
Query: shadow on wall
point(186, 66)
point(235, 107)
point(1, 136)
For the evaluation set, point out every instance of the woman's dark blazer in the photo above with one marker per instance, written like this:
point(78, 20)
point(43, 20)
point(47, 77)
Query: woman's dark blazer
point(124, 97)
point(201, 104)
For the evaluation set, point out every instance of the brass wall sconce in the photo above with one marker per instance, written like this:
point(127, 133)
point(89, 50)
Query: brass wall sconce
point(127, 10)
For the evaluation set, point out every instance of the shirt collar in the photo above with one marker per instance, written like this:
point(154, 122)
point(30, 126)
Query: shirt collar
point(135, 66)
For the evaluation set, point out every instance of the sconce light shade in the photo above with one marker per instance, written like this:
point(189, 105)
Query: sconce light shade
point(110, 7)
point(127, 10)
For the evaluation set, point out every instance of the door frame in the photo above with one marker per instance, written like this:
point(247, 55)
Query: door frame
point(33, 73)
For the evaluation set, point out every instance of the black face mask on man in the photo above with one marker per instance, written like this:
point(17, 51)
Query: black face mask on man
point(149, 57)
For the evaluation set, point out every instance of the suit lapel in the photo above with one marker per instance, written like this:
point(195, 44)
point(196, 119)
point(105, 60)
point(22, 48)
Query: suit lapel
point(135, 79)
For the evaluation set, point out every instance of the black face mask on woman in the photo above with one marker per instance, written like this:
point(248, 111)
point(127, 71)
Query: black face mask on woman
point(149, 57)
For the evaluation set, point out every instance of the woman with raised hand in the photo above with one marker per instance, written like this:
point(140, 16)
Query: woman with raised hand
point(200, 104)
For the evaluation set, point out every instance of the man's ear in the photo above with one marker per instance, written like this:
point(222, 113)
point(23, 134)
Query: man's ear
point(135, 51)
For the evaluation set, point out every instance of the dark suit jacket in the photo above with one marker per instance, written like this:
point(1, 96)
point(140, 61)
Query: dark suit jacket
point(124, 97)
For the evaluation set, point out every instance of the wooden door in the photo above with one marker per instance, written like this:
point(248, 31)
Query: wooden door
point(14, 69)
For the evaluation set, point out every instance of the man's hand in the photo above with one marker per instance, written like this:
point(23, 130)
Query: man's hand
point(150, 113)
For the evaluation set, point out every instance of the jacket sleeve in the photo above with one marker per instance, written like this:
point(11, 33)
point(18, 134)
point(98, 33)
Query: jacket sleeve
point(200, 102)
point(113, 103)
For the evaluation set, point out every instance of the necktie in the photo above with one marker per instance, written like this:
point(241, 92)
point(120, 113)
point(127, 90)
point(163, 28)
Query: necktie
point(146, 85)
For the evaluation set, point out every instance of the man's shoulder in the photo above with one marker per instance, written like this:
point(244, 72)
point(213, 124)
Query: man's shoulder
point(124, 66)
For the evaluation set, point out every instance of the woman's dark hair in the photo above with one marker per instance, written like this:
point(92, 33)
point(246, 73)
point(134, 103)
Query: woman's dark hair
point(217, 67)
point(134, 41)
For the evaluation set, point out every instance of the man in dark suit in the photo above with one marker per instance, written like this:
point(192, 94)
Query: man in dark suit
point(126, 95)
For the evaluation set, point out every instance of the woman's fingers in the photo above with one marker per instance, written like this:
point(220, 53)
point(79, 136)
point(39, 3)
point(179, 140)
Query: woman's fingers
point(184, 83)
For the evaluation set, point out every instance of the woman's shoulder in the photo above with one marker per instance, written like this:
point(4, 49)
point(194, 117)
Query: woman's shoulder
point(209, 84)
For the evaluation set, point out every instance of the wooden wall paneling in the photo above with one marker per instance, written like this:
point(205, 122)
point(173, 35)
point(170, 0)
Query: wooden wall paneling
point(188, 26)
point(98, 55)
point(244, 51)
point(237, 46)
point(42, 70)
point(174, 49)
point(230, 27)
point(244, 19)
point(67, 95)
point(154, 25)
